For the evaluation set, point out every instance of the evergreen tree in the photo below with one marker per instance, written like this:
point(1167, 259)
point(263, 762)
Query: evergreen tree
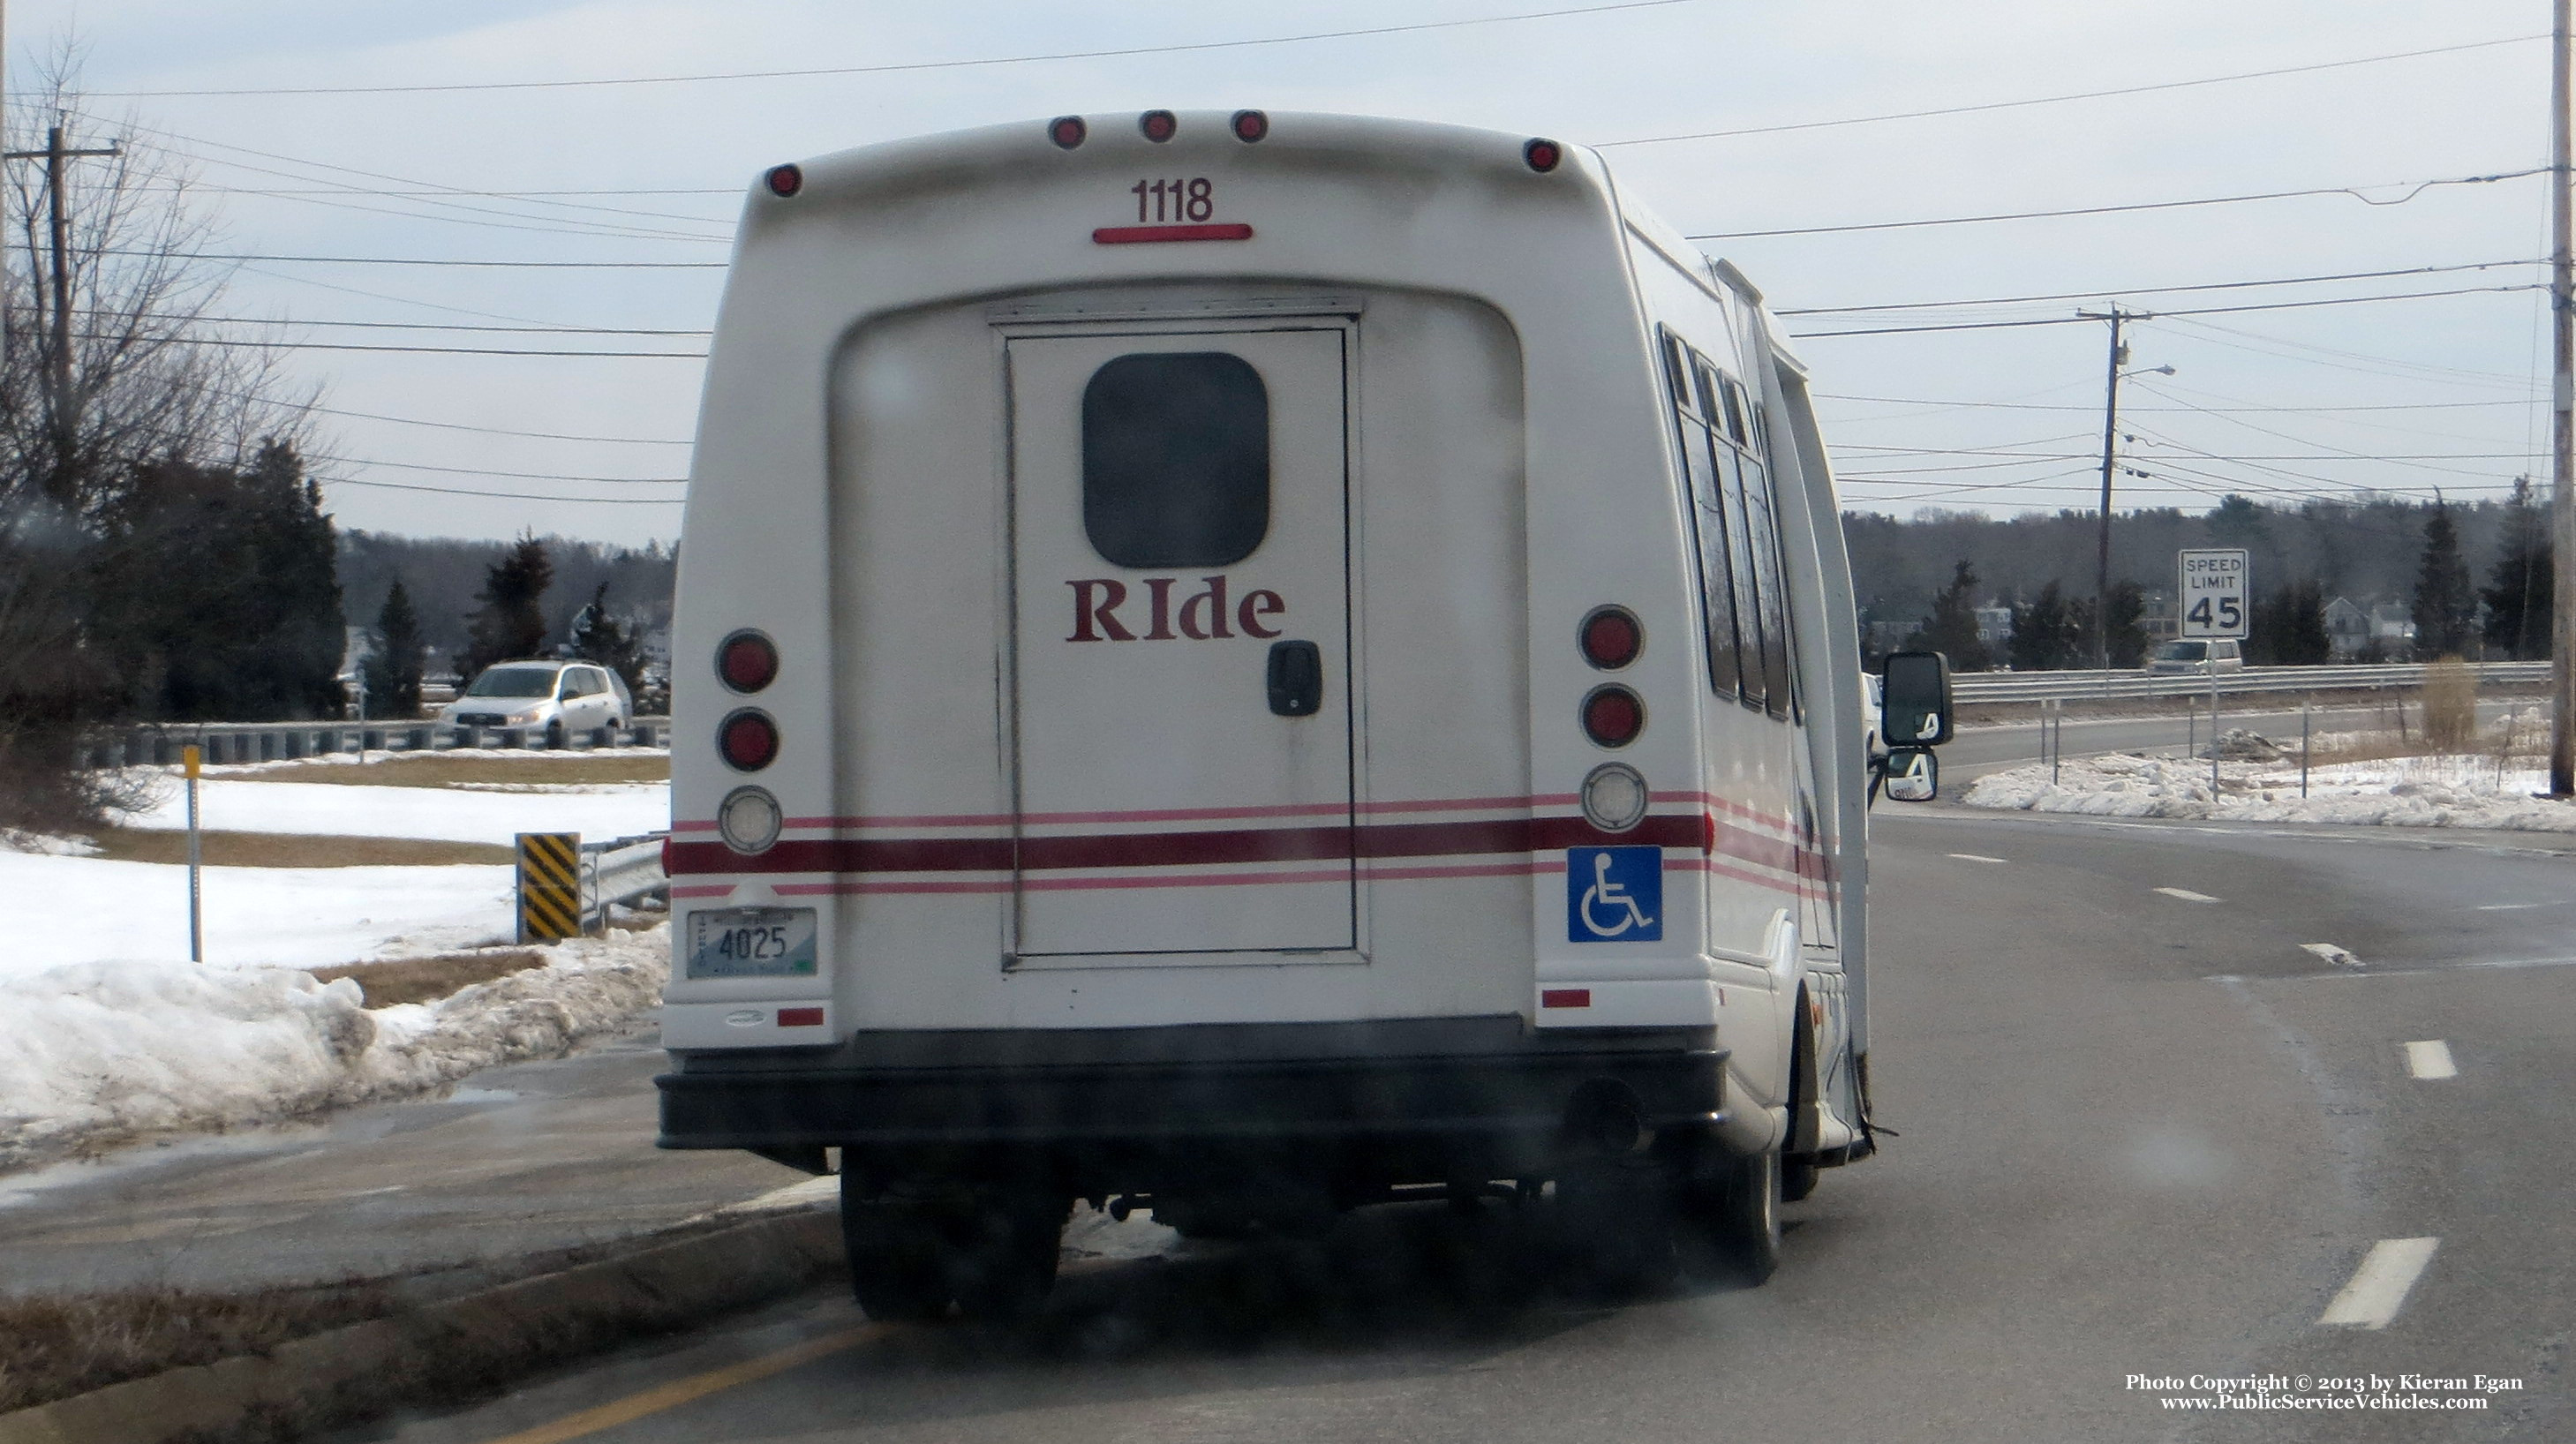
point(2128, 625)
point(599, 637)
point(2520, 594)
point(2045, 636)
point(2289, 627)
point(511, 621)
point(2446, 608)
point(302, 631)
point(1951, 629)
point(394, 670)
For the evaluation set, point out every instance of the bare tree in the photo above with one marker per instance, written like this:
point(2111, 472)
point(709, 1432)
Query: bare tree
point(146, 386)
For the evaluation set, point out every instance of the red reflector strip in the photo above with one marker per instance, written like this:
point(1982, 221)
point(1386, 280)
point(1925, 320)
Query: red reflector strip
point(1564, 998)
point(800, 1017)
point(1130, 235)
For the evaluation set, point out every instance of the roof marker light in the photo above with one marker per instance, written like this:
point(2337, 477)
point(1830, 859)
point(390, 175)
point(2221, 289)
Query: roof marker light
point(785, 180)
point(1067, 131)
point(1158, 125)
point(1542, 155)
point(1250, 126)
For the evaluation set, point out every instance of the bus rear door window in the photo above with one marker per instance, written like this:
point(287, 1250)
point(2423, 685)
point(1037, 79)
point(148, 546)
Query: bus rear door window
point(1176, 459)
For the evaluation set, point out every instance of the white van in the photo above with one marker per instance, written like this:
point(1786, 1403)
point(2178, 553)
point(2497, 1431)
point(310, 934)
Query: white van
point(1250, 665)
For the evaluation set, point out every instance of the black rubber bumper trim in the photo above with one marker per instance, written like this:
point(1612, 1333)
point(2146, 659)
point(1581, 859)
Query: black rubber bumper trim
point(1160, 1105)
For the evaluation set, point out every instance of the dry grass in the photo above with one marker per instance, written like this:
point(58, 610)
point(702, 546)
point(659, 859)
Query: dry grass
point(2450, 705)
point(54, 1348)
point(288, 849)
point(446, 769)
point(426, 980)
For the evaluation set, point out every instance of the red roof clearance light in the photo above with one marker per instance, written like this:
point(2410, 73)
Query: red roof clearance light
point(1542, 155)
point(1067, 131)
point(785, 180)
point(747, 661)
point(1158, 125)
point(748, 740)
point(1612, 638)
point(1250, 126)
point(1613, 716)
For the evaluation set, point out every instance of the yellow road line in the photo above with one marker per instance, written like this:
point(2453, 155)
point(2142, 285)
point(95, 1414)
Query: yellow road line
point(697, 1386)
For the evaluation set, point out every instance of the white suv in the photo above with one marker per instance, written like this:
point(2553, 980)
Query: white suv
point(561, 698)
point(2196, 659)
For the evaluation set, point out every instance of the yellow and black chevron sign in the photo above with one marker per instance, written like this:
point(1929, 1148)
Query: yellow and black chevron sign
point(549, 886)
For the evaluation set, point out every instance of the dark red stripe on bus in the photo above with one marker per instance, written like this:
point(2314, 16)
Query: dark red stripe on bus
point(1182, 849)
point(1132, 235)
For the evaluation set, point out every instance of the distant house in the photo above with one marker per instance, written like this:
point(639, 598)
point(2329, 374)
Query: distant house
point(2347, 630)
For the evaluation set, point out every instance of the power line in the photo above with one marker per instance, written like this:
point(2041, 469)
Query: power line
point(431, 261)
point(2155, 290)
point(2060, 99)
point(2198, 311)
point(2044, 406)
point(530, 330)
point(2354, 191)
point(521, 475)
point(420, 350)
point(902, 67)
point(487, 430)
point(507, 495)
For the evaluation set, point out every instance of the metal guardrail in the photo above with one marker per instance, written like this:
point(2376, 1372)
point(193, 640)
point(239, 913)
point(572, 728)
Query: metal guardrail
point(624, 872)
point(2073, 686)
point(239, 742)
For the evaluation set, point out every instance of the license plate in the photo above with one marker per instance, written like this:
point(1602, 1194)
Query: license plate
point(752, 943)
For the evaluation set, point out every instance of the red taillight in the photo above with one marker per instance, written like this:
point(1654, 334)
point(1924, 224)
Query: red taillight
point(1612, 638)
point(747, 662)
point(666, 854)
point(1565, 998)
point(1613, 716)
point(785, 180)
point(1158, 125)
point(748, 740)
point(1067, 131)
point(1542, 155)
point(1250, 125)
point(800, 1017)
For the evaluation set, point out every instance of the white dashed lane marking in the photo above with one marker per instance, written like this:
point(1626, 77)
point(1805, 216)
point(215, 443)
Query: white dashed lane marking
point(2340, 957)
point(2186, 894)
point(2430, 1058)
point(2379, 1287)
point(1974, 857)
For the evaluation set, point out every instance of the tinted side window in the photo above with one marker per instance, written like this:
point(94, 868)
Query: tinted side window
point(1750, 613)
point(1717, 593)
point(1176, 460)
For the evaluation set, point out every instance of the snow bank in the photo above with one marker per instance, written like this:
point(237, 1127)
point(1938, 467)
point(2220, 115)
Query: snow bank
point(65, 910)
point(450, 814)
point(99, 1050)
point(2399, 792)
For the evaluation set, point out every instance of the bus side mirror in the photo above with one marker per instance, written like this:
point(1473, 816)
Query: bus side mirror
point(1914, 710)
point(1913, 775)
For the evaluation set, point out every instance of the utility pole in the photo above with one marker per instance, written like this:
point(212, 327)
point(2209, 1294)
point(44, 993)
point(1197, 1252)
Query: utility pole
point(2562, 429)
point(2110, 436)
point(59, 363)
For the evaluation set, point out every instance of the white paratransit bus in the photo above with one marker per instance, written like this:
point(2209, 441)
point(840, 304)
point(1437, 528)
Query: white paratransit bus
point(1251, 665)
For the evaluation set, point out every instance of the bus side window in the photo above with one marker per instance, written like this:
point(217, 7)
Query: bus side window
point(1726, 655)
point(1750, 610)
point(1773, 582)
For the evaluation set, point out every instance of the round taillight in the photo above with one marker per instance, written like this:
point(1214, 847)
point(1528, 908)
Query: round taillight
point(747, 662)
point(1542, 155)
point(748, 739)
point(1158, 125)
point(786, 180)
point(1067, 131)
point(1614, 797)
point(749, 819)
point(1613, 716)
point(1611, 638)
point(1250, 125)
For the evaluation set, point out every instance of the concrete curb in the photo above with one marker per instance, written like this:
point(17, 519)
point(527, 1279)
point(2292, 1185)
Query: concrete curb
point(460, 1345)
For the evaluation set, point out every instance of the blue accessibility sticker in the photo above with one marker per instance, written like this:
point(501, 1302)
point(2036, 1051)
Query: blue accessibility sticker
point(1614, 894)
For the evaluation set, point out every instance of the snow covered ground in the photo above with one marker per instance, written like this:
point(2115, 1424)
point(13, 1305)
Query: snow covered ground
point(2396, 792)
point(108, 1031)
point(95, 1052)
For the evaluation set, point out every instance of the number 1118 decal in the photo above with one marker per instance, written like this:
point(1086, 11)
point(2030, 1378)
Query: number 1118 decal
point(1174, 200)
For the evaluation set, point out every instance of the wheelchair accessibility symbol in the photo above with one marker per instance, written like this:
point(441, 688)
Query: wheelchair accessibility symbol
point(1614, 894)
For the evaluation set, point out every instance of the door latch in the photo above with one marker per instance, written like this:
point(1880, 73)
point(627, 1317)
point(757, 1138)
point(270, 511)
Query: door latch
point(1296, 679)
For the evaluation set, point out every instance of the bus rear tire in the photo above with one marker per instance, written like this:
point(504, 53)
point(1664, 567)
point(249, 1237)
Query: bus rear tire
point(1745, 1227)
point(893, 1247)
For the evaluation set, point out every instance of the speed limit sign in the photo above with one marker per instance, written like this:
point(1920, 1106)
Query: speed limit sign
point(2213, 593)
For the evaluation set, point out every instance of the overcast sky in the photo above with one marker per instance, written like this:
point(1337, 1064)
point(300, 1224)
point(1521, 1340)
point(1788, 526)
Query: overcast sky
point(2274, 403)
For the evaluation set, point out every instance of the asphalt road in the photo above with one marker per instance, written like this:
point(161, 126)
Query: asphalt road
point(2142, 1133)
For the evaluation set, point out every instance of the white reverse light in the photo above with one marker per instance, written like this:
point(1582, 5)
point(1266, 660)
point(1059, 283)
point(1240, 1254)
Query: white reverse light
point(749, 819)
point(1614, 797)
